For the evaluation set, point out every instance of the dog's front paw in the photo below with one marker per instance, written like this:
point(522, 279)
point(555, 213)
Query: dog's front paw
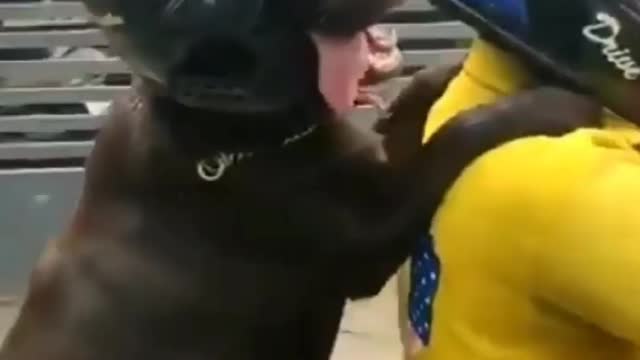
point(404, 125)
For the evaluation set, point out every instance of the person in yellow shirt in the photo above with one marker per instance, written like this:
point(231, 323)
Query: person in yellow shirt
point(534, 254)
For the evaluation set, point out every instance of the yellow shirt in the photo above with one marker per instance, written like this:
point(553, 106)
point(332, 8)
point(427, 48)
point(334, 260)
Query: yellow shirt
point(538, 240)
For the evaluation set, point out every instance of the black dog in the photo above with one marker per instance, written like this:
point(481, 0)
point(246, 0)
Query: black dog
point(178, 252)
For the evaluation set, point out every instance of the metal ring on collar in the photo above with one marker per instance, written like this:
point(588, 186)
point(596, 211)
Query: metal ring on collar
point(212, 172)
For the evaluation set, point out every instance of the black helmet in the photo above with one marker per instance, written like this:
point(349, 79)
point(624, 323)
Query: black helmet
point(228, 55)
point(594, 44)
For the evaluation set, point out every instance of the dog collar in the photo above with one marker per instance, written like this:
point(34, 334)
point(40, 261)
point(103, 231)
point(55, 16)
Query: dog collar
point(213, 168)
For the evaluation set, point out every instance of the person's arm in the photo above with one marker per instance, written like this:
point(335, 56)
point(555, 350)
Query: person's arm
point(590, 266)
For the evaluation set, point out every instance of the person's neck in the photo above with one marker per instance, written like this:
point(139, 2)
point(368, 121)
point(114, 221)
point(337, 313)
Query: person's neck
point(506, 73)
point(497, 69)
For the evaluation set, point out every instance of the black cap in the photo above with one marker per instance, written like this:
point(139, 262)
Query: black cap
point(594, 44)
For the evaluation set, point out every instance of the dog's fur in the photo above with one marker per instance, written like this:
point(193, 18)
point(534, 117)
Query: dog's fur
point(159, 264)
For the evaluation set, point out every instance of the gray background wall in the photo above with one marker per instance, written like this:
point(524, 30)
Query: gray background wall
point(34, 205)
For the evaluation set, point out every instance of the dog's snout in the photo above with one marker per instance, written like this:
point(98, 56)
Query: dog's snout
point(223, 59)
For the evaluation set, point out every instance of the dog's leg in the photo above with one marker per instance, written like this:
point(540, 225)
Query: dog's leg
point(320, 328)
point(381, 247)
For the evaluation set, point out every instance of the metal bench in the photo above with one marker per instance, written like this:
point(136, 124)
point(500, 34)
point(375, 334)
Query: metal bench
point(41, 152)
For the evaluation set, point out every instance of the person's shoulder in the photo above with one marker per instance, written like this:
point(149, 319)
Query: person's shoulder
point(545, 177)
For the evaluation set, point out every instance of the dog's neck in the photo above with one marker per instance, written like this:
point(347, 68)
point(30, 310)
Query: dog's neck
point(205, 144)
point(203, 132)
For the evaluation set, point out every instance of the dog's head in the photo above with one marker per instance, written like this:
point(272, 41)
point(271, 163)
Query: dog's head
point(248, 56)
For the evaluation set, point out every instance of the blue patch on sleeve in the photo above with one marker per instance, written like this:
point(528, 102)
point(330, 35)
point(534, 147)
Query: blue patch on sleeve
point(425, 275)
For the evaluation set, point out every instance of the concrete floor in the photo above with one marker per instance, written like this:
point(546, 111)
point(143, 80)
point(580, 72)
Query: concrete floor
point(369, 330)
point(7, 315)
